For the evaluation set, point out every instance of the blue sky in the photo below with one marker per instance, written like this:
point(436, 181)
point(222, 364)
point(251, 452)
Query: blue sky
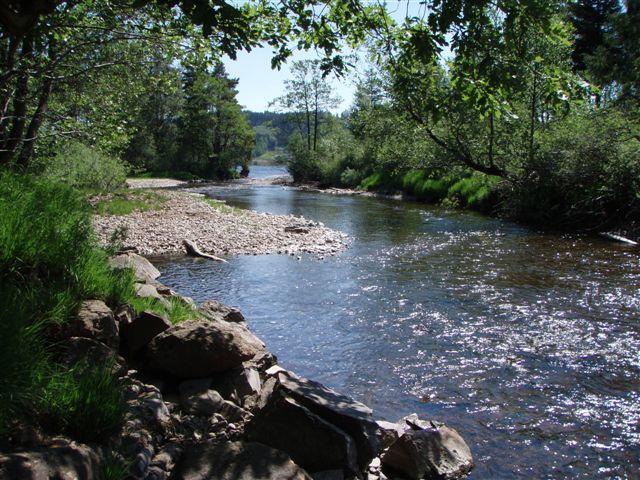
point(259, 84)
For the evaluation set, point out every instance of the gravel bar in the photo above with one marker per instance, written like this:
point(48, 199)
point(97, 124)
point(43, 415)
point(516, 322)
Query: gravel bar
point(218, 231)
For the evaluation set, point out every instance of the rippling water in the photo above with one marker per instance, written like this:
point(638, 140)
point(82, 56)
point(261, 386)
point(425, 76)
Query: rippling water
point(527, 343)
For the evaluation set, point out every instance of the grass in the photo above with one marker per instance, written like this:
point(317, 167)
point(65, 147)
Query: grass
point(49, 263)
point(222, 207)
point(475, 192)
point(85, 402)
point(177, 175)
point(178, 310)
point(124, 202)
point(458, 188)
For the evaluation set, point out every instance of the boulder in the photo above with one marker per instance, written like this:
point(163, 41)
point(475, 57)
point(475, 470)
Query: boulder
point(95, 320)
point(437, 452)
point(124, 315)
point(217, 310)
point(352, 417)
point(310, 441)
point(238, 383)
point(146, 290)
point(79, 349)
point(237, 461)
point(203, 402)
point(198, 399)
point(142, 268)
point(63, 459)
point(142, 330)
point(197, 348)
point(262, 361)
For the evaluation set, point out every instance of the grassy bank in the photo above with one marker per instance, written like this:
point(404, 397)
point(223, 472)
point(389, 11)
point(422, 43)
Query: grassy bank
point(459, 189)
point(49, 263)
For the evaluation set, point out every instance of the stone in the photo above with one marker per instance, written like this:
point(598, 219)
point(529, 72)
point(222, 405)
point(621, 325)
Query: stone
point(238, 383)
point(204, 403)
point(237, 461)
point(217, 310)
point(95, 320)
point(195, 348)
point(142, 330)
point(124, 315)
point(142, 268)
point(145, 290)
point(61, 460)
point(80, 349)
point(354, 418)
point(262, 361)
point(310, 441)
point(296, 229)
point(390, 432)
point(438, 452)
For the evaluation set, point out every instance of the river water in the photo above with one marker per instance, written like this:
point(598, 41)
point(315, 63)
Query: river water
point(527, 343)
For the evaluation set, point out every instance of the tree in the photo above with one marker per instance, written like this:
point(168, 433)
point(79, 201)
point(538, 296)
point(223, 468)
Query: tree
point(215, 136)
point(308, 98)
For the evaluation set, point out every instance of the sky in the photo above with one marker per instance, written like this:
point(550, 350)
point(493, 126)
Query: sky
point(259, 84)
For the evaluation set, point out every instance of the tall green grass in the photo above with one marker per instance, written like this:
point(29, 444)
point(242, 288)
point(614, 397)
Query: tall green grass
point(49, 263)
point(476, 192)
point(458, 188)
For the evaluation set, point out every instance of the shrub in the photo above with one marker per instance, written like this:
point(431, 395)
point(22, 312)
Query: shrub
point(84, 167)
point(585, 174)
point(350, 178)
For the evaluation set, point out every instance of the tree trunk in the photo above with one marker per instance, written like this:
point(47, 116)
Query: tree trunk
point(14, 137)
point(315, 121)
point(532, 128)
point(491, 136)
point(29, 140)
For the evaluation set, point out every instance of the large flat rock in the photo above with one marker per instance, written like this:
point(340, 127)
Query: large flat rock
point(310, 441)
point(201, 348)
point(353, 417)
point(142, 268)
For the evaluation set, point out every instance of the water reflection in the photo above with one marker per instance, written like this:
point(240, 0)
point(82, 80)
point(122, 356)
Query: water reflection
point(527, 343)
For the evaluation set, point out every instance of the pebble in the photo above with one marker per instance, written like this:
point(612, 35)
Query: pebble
point(235, 232)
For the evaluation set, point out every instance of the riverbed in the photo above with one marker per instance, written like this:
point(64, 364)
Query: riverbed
point(528, 343)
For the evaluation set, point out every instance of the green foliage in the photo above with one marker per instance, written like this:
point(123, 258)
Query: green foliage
point(351, 177)
point(221, 206)
point(114, 468)
point(476, 192)
point(177, 311)
point(49, 262)
point(86, 402)
point(86, 168)
point(585, 174)
point(177, 175)
point(381, 181)
point(124, 202)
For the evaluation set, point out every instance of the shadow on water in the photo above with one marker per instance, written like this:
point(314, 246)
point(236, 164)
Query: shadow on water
point(527, 343)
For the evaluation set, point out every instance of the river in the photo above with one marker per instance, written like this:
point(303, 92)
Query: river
point(527, 343)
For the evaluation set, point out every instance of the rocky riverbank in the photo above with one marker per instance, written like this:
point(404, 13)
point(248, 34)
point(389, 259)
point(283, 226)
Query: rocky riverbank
point(207, 400)
point(217, 229)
